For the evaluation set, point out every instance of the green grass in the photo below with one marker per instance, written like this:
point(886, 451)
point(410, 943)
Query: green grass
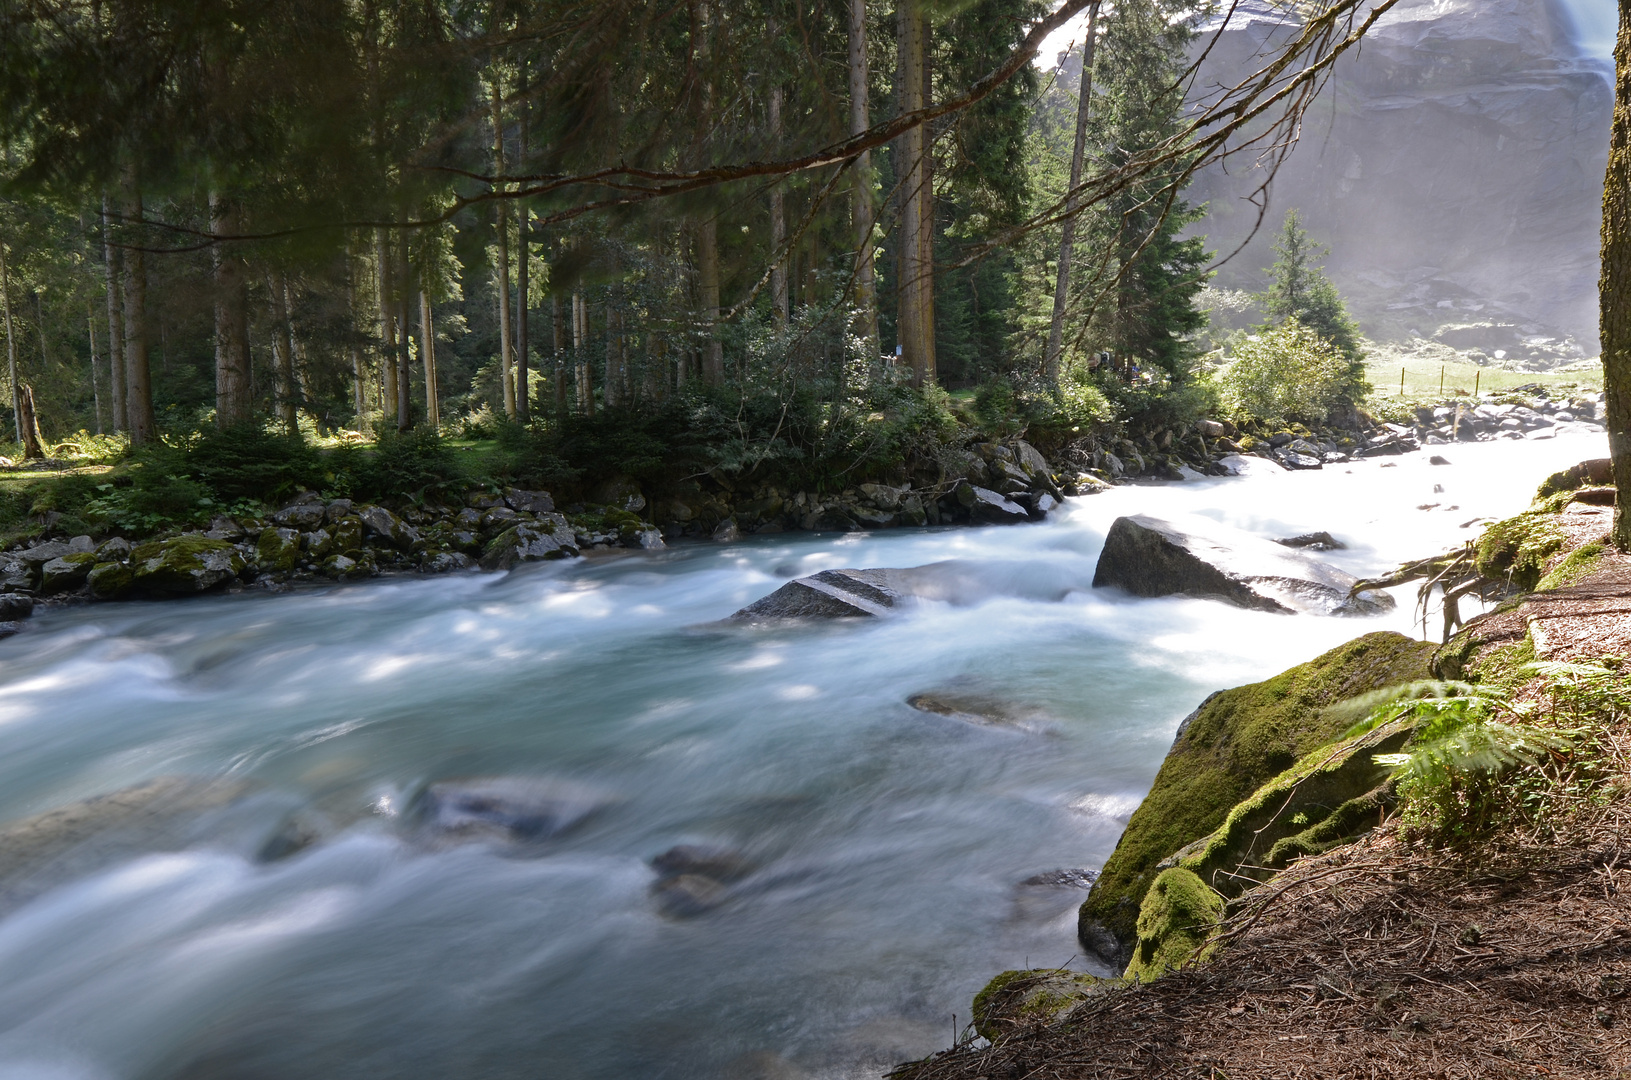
point(1422, 379)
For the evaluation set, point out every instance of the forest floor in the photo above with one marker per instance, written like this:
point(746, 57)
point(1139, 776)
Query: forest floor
point(1508, 958)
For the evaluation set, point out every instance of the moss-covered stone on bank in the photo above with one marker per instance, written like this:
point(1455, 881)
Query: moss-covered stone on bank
point(1178, 915)
point(1231, 745)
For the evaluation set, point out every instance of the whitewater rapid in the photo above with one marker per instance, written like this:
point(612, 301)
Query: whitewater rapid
point(887, 846)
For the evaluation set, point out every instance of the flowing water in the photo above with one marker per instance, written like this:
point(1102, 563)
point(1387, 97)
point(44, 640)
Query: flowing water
point(886, 846)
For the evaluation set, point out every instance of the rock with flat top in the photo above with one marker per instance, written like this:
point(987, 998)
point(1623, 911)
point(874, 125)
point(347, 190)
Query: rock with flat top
point(831, 594)
point(1147, 556)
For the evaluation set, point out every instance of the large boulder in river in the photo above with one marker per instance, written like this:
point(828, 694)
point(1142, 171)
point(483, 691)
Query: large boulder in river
point(1147, 556)
point(831, 594)
point(1229, 747)
point(551, 537)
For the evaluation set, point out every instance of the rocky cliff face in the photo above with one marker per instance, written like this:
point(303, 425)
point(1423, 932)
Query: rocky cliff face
point(1454, 165)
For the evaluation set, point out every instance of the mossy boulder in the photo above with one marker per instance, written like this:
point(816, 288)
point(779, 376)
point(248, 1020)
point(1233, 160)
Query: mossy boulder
point(1236, 741)
point(110, 580)
point(1330, 796)
point(278, 550)
point(186, 564)
point(1176, 919)
point(1015, 1000)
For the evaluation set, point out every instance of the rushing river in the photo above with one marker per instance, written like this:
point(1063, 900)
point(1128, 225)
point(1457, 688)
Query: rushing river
point(887, 846)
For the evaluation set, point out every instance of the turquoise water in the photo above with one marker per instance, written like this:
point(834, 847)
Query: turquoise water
point(886, 846)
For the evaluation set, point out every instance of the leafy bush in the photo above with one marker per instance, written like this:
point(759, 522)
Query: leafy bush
point(1289, 373)
point(403, 465)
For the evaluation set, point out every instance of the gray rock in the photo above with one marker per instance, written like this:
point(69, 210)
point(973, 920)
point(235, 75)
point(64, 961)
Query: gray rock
point(14, 606)
point(82, 545)
point(110, 580)
point(650, 539)
point(1031, 460)
point(726, 532)
point(1211, 429)
point(831, 594)
point(10, 629)
point(40, 554)
point(1293, 460)
point(531, 502)
point(448, 562)
point(1008, 477)
point(498, 519)
point(1044, 505)
point(689, 894)
point(721, 864)
point(115, 550)
point(1063, 879)
point(1438, 459)
point(65, 574)
point(550, 537)
point(16, 576)
point(301, 515)
point(318, 544)
point(225, 528)
point(277, 550)
point(468, 518)
point(345, 568)
point(337, 509)
point(988, 506)
point(882, 496)
point(385, 526)
point(1150, 557)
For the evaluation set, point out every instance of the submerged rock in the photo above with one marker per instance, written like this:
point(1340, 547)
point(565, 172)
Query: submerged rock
point(721, 864)
point(1150, 557)
point(1319, 541)
point(978, 709)
point(505, 807)
point(831, 594)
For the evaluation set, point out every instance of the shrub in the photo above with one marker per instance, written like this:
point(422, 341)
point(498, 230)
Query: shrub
point(1289, 373)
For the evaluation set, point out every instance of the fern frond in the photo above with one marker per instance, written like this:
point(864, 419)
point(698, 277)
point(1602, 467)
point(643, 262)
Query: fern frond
point(1372, 710)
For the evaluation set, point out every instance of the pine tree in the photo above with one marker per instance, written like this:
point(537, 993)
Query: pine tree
point(1298, 289)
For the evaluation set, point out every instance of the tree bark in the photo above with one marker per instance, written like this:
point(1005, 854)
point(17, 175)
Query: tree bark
point(861, 215)
point(502, 225)
point(96, 382)
point(28, 425)
point(523, 274)
point(583, 373)
point(138, 379)
point(282, 356)
point(613, 384)
point(915, 324)
point(778, 222)
point(1615, 284)
point(387, 328)
point(359, 373)
point(713, 351)
point(427, 356)
point(231, 319)
point(116, 321)
point(1061, 292)
point(404, 335)
point(558, 329)
point(11, 347)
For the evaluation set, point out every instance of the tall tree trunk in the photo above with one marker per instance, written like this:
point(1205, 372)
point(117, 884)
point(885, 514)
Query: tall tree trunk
point(502, 226)
point(96, 382)
point(915, 324)
point(231, 318)
point(387, 328)
point(1061, 292)
point(558, 329)
point(359, 372)
point(1615, 284)
point(283, 388)
point(111, 262)
point(28, 425)
point(523, 273)
point(927, 371)
point(427, 357)
point(11, 346)
point(713, 351)
point(778, 222)
point(613, 384)
point(582, 375)
point(404, 360)
point(138, 379)
point(861, 216)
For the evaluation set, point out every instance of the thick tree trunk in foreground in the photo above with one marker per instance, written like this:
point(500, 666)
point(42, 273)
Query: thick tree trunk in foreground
point(861, 216)
point(915, 325)
point(138, 380)
point(1615, 286)
point(231, 319)
point(1061, 292)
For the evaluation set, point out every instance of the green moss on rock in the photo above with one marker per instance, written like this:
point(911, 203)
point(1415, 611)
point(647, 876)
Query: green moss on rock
point(1518, 548)
point(1577, 565)
point(1236, 741)
point(1175, 920)
point(110, 581)
point(184, 564)
point(1021, 999)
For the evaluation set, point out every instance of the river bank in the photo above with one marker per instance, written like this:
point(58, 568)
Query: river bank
point(1468, 930)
